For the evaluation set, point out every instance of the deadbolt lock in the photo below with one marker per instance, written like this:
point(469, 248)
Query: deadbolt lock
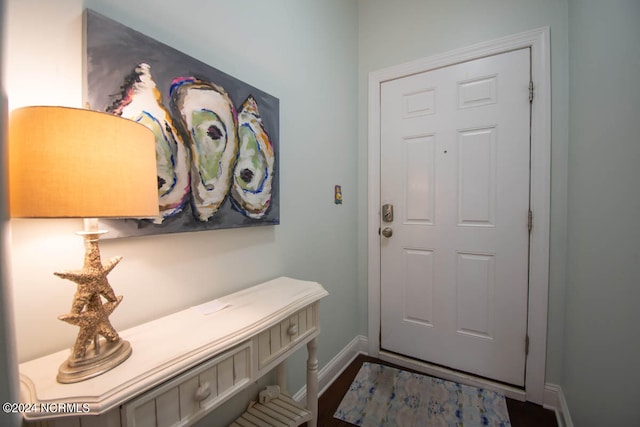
point(387, 212)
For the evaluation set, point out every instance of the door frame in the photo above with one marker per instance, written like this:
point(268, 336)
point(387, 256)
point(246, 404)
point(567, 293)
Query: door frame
point(538, 41)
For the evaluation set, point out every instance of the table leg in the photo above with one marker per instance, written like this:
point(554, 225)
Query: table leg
point(281, 377)
point(312, 381)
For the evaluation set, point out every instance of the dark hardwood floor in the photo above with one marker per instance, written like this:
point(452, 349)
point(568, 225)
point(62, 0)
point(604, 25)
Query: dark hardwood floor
point(521, 414)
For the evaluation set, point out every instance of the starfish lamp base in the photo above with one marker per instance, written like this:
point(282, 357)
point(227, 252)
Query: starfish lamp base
point(98, 347)
point(110, 355)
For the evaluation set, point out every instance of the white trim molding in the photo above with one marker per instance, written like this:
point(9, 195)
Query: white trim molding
point(538, 41)
point(562, 410)
point(555, 401)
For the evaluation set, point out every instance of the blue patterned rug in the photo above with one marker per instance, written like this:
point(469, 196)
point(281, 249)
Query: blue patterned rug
point(384, 396)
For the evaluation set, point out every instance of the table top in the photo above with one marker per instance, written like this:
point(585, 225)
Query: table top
point(167, 346)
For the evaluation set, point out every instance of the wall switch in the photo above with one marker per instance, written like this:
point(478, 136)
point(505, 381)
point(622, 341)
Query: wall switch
point(337, 195)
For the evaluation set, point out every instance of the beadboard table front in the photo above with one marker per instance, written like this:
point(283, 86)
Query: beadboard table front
point(260, 326)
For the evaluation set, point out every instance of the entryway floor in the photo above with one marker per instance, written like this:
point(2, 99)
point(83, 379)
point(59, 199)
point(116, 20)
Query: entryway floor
point(521, 414)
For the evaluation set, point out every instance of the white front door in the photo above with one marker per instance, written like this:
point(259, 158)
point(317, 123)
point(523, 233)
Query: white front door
point(455, 153)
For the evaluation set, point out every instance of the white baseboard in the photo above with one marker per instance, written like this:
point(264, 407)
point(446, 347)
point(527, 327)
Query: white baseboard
point(553, 396)
point(555, 401)
point(336, 366)
point(562, 410)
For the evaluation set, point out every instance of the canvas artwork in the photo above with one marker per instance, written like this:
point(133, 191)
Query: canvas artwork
point(216, 136)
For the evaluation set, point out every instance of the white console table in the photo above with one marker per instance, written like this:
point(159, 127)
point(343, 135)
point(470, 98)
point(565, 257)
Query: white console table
point(187, 364)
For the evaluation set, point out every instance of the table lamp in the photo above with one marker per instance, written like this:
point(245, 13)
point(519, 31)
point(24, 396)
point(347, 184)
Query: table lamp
point(76, 163)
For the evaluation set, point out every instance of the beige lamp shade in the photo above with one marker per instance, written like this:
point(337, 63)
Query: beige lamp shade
point(69, 162)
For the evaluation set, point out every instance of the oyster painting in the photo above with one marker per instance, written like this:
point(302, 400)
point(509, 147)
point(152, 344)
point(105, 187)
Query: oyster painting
point(217, 138)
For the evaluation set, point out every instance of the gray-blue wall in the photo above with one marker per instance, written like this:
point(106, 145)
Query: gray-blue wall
point(602, 346)
point(303, 52)
point(8, 368)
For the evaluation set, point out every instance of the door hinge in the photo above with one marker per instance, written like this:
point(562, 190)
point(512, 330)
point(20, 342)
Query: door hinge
point(530, 220)
point(526, 345)
point(530, 91)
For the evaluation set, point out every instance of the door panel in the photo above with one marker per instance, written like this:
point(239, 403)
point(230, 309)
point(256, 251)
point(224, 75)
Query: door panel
point(419, 164)
point(455, 166)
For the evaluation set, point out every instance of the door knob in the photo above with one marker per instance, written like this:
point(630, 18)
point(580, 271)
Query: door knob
point(387, 232)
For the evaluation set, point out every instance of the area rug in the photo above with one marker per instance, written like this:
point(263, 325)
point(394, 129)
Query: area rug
point(384, 396)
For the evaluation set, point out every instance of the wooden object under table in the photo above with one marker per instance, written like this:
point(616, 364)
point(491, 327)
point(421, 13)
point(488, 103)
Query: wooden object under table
point(187, 364)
